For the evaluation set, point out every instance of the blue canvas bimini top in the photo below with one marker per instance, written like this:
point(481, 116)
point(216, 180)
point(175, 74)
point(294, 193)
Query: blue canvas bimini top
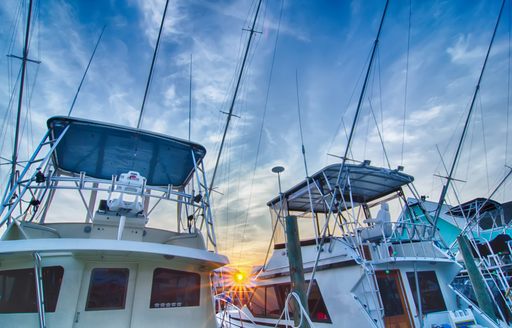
point(367, 183)
point(102, 150)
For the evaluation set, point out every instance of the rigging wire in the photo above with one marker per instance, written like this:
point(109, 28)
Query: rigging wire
point(508, 90)
point(315, 222)
point(190, 99)
point(342, 121)
point(379, 133)
point(230, 113)
point(246, 60)
point(12, 42)
point(484, 143)
point(370, 93)
point(8, 113)
point(245, 217)
point(262, 124)
point(351, 135)
point(406, 84)
point(380, 104)
point(461, 140)
point(472, 134)
point(228, 90)
point(363, 91)
point(27, 124)
point(455, 191)
point(20, 96)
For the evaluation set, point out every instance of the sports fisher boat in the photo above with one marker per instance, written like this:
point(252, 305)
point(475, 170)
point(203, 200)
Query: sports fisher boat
point(362, 269)
point(103, 266)
point(486, 224)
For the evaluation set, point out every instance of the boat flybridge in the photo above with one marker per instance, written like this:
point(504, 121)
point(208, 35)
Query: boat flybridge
point(362, 269)
point(105, 267)
point(487, 225)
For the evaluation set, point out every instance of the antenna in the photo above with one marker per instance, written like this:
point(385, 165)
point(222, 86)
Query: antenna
point(86, 70)
point(278, 170)
point(315, 223)
point(152, 66)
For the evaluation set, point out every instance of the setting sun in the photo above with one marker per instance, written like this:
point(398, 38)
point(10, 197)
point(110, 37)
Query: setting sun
point(239, 278)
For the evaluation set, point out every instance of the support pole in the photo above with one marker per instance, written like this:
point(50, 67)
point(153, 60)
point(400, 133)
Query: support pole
point(477, 280)
point(296, 268)
point(40, 290)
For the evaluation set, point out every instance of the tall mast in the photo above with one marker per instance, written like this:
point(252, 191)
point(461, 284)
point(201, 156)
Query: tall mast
point(24, 60)
point(233, 100)
point(466, 124)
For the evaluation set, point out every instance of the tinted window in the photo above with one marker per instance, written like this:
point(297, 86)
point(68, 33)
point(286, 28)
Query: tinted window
point(257, 303)
point(388, 286)
point(273, 303)
point(173, 288)
point(317, 308)
point(268, 301)
point(430, 293)
point(18, 289)
point(107, 289)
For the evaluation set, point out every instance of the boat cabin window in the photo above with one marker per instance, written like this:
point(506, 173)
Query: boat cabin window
point(107, 289)
point(172, 288)
point(18, 289)
point(390, 294)
point(430, 292)
point(257, 302)
point(268, 302)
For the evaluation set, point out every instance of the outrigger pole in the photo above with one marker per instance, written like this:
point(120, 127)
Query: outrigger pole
point(466, 124)
point(85, 73)
point(350, 137)
point(363, 91)
point(233, 100)
point(152, 66)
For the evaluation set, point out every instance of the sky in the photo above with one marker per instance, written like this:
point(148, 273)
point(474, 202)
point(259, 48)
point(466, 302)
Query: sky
point(428, 61)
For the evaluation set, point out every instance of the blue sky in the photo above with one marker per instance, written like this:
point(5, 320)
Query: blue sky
point(326, 42)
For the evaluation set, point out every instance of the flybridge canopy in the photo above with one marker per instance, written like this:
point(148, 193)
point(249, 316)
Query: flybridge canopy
point(367, 183)
point(469, 209)
point(102, 150)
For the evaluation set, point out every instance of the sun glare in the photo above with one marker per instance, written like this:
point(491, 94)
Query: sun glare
point(239, 278)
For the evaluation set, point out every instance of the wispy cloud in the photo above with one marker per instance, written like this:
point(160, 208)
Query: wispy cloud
point(448, 43)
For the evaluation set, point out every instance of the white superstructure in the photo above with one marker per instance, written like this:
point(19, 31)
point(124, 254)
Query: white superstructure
point(97, 263)
point(362, 268)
